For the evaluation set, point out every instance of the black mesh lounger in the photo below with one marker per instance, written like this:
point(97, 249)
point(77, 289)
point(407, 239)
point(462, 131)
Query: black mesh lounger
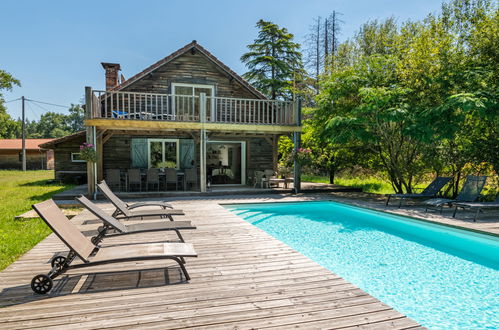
point(92, 255)
point(117, 228)
point(477, 206)
point(469, 193)
point(430, 191)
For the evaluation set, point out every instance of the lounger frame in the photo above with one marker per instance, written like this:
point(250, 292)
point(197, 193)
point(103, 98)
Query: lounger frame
point(42, 283)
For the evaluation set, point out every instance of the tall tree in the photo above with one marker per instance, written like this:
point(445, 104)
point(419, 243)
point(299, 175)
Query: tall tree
point(314, 51)
point(9, 127)
point(321, 45)
point(55, 124)
point(420, 95)
point(274, 61)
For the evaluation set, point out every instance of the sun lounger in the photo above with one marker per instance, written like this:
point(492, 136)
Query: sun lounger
point(122, 206)
point(125, 211)
point(430, 191)
point(478, 206)
point(117, 228)
point(92, 255)
point(469, 193)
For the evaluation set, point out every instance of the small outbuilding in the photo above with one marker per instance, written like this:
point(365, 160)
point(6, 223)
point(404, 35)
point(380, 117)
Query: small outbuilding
point(37, 158)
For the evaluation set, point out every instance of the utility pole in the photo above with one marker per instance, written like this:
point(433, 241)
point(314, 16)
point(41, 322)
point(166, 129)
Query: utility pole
point(23, 137)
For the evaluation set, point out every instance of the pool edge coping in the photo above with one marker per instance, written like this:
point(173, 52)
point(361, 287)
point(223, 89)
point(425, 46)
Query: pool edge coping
point(478, 231)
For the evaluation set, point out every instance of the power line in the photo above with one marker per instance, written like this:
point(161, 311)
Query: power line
point(56, 105)
point(13, 100)
point(43, 108)
point(35, 113)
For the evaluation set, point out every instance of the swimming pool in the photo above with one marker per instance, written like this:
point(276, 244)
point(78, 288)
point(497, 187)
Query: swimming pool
point(444, 278)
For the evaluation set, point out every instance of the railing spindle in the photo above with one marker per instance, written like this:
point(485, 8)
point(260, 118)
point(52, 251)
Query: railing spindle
point(156, 106)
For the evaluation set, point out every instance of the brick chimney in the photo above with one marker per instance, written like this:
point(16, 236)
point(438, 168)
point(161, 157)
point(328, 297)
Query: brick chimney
point(112, 74)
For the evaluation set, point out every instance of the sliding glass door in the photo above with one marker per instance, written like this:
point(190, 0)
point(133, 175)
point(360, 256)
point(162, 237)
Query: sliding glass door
point(226, 162)
point(186, 100)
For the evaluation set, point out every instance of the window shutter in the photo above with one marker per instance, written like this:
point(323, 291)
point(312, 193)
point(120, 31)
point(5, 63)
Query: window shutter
point(186, 153)
point(139, 153)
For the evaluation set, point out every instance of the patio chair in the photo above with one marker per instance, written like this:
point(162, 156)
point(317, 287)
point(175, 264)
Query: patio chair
point(120, 205)
point(261, 180)
point(430, 191)
point(117, 228)
point(478, 206)
point(152, 178)
point(134, 178)
point(113, 178)
point(171, 177)
point(92, 255)
point(191, 177)
point(269, 173)
point(469, 193)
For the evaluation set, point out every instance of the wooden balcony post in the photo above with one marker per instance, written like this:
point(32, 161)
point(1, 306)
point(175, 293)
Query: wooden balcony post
point(91, 167)
point(100, 155)
point(202, 143)
point(297, 145)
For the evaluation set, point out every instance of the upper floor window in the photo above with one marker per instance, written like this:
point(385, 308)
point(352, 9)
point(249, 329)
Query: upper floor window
point(186, 100)
point(192, 89)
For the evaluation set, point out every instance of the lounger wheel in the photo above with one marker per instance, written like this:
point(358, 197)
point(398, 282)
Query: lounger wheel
point(58, 262)
point(41, 284)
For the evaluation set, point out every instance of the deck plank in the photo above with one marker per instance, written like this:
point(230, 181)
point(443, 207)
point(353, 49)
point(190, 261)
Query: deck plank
point(242, 278)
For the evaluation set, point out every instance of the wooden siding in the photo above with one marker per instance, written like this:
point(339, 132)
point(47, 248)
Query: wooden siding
point(117, 150)
point(65, 169)
point(35, 160)
point(259, 155)
point(193, 69)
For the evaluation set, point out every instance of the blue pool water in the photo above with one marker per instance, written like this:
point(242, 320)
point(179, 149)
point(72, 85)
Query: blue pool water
point(444, 278)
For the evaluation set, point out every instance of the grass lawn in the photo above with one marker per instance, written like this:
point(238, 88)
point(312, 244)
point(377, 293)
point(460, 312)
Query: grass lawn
point(368, 184)
point(18, 191)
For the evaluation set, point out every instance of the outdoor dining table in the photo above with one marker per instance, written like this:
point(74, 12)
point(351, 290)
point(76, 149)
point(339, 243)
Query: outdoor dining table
point(162, 177)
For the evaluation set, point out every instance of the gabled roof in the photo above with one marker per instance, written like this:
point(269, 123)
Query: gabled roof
point(181, 51)
point(53, 142)
point(16, 144)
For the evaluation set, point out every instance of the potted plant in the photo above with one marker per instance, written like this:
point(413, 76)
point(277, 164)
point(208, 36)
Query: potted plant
point(302, 155)
point(87, 152)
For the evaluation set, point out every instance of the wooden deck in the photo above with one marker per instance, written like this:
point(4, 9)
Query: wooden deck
point(243, 278)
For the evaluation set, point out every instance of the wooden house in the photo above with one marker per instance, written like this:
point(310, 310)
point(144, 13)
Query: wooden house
point(189, 112)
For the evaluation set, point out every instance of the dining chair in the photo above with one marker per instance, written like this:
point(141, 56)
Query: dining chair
point(171, 177)
point(134, 178)
point(191, 177)
point(113, 179)
point(153, 178)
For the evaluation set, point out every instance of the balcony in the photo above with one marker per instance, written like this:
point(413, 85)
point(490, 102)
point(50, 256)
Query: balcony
point(134, 106)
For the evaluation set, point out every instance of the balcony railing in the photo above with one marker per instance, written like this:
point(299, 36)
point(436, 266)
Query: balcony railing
point(186, 108)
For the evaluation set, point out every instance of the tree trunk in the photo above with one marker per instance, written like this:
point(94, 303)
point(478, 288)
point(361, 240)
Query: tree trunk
point(331, 176)
point(273, 73)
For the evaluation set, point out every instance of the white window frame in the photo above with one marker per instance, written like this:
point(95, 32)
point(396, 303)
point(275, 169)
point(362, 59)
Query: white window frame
point(73, 160)
point(243, 158)
point(177, 141)
point(212, 97)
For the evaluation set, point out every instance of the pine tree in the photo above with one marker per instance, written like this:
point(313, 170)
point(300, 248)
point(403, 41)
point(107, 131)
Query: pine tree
point(274, 61)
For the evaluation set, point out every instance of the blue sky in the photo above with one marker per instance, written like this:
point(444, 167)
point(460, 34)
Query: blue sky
point(55, 47)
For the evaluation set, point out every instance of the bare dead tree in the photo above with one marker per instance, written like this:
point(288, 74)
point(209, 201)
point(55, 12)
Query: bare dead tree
point(321, 44)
